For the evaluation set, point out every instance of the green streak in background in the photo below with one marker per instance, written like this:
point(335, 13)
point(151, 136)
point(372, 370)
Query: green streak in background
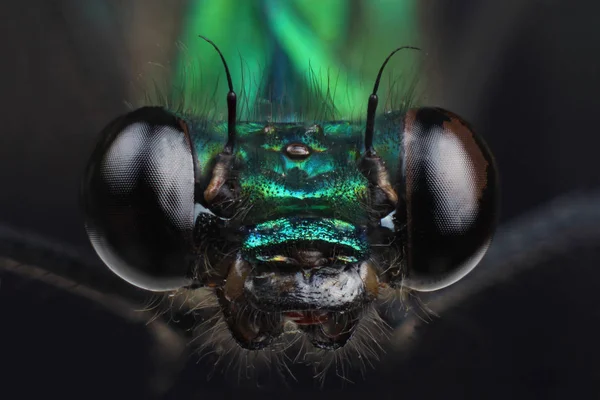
point(342, 41)
point(235, 27)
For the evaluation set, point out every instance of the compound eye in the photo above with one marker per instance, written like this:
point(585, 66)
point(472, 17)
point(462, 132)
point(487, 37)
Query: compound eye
point(138, 196)
point(451, 198)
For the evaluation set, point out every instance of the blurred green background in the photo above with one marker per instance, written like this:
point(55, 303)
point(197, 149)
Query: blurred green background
point(288, 59)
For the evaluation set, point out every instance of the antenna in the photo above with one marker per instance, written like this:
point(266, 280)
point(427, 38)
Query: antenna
point(372, 105)
point(231, 103)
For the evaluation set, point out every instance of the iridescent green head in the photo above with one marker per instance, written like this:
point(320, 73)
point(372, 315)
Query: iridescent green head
point(296, 185)
point(298, 225)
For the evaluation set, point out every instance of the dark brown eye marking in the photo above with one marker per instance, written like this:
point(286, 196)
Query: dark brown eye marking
point(297, 151)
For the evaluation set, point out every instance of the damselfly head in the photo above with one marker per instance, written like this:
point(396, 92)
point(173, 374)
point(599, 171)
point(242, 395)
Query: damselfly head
point(291, 224)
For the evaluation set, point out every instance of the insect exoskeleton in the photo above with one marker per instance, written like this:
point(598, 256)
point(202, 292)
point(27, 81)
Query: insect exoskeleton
point(295, 227)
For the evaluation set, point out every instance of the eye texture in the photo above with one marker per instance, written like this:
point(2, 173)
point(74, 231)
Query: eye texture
point(138, 197)
point(451, 198)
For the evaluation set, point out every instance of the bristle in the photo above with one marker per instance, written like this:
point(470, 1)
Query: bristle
point(312, 100)
point(215, 346)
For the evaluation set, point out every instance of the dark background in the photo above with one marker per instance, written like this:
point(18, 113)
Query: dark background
point(525, 73)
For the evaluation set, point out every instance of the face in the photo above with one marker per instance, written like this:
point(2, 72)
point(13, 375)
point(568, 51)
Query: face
point(302, 225)
point(303, 233)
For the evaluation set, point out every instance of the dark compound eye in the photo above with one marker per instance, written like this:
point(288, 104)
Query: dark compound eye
point(138, 196)
point(451, 198)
